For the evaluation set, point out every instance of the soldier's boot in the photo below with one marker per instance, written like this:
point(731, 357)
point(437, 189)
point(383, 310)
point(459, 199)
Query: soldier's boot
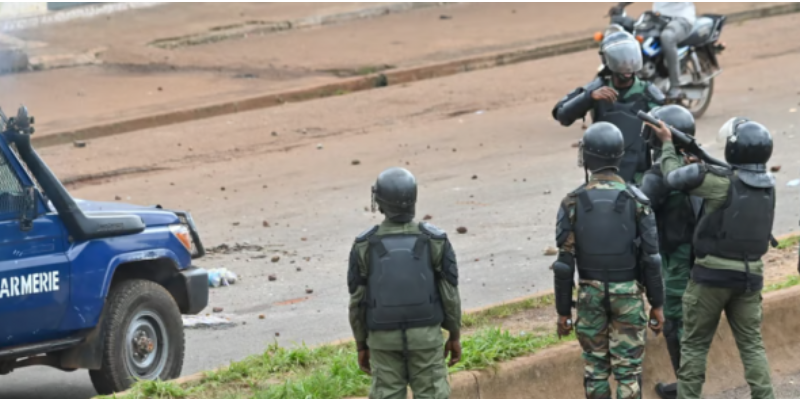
point(671, 334)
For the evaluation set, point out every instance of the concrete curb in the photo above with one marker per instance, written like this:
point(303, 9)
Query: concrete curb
point(355, 84)
point(82, 12)
point(260, 28)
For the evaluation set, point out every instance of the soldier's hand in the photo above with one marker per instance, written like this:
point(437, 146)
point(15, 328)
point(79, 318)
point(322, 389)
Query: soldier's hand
point(363, 361)
point(690, 159)
point(656, 320)
point(564, 326)
point(662, 131)
point(605, 93)
point(452, 349)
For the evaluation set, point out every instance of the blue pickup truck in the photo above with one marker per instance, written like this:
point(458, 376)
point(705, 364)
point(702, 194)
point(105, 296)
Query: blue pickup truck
point(90, 285)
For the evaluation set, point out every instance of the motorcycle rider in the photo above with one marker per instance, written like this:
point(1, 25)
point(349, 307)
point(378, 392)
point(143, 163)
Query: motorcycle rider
point(682, 18)
point(615, 96)
point(607, 228)
point(730, 238)
point(676, 218)
point(403, 284)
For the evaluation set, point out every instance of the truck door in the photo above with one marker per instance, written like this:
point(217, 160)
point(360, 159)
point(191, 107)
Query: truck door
point(34, 269)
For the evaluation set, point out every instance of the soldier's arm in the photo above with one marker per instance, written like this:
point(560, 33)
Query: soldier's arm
point(650, 259)
point(564, 266)
point(576, 104)
point(448, 289)
point(693, 179)
point(654, 187)
point(356, 285)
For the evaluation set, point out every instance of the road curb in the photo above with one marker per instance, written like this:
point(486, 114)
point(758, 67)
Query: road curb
point(261, 27)
point(82, 12)
point(351, 85)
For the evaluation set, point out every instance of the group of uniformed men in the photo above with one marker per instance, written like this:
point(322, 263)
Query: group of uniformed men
point(686, 234)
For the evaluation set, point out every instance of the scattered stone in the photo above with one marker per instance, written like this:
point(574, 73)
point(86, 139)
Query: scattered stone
point(272, 277)
point(277, 334)
point(309, 291)
point(319, 146)
point(299, 269)
point(275, 259)
point(445, 17)
point(265, 223)
point(79, 144)
point(261, 317)
point(222, 188)
point(171, 183)
point(454, 150)
point(244, 323)
point(427, 217)
point(750, 89)
point(236, 223)
point(524, 180)
point(477, 259)
point(551, 251)
point(303, 239)
point(461, 230)
point(274, 133)
point(355, 162)
point(408, 163)
point(118, 198)
point(775, 168)
point(474, 177)
point(217, 310)
point(546, 192)
point(264, 186)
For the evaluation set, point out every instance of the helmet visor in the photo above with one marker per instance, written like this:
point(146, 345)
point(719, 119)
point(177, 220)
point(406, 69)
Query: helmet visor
point(727, 130)
point(623, 57)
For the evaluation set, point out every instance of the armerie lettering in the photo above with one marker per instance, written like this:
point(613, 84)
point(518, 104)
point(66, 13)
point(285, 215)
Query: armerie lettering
point(30, 284)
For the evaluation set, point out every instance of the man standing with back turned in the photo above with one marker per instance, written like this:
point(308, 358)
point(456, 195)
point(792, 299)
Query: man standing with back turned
point(608, 229)
point(403, 283)
point(731, 237)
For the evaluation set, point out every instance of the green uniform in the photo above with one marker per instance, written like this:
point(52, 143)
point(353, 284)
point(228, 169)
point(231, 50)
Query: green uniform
point(612, 338)
point(703, 305)
point(424, 370)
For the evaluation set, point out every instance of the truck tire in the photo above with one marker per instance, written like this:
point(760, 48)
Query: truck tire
point(143, 339)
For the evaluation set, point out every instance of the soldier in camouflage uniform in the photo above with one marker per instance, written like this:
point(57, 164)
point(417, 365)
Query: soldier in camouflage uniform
point(598, 227)
point(403, 283)
point(676, 217)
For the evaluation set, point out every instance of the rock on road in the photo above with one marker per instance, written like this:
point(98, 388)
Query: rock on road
point(523, 159)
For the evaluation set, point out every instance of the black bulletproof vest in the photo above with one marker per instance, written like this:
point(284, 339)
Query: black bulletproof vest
point(605, 235)
point(675, 219)
point(401, 287)
point(623, 116)
point(741, 228)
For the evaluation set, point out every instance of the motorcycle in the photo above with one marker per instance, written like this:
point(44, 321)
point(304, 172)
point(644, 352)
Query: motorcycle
point(697, 53)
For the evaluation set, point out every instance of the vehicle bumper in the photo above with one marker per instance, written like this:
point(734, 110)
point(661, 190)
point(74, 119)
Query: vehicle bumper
point(196, 283)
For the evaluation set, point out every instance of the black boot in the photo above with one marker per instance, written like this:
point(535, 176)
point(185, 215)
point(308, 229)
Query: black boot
point(671, 330)
point(667, 391)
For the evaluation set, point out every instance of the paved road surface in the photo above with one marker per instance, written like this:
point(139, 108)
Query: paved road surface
point(522, 159)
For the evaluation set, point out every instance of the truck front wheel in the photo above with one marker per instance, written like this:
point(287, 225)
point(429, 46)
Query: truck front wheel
point(143, 337)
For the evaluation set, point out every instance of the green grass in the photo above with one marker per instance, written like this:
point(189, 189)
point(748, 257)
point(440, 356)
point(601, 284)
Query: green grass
point(788, 282)
point(789, 242)
point(486, 317)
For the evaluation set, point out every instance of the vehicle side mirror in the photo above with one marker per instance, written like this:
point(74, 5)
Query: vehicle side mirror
point(27, 208)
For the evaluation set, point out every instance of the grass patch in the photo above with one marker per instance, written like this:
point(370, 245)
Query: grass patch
point(488, 316)
point(788, 282)
point(789, 242)
point(330, 372)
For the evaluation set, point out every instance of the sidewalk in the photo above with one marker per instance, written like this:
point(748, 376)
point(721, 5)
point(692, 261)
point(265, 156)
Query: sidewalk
point(137, 79)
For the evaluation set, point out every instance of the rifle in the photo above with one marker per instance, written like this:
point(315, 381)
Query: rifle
point(688, 143)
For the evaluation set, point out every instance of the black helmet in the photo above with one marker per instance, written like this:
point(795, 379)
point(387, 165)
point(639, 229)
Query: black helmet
point(748, 144)
point(673, 115)
point(395, 192)
point(602, 147)
point(621, 53)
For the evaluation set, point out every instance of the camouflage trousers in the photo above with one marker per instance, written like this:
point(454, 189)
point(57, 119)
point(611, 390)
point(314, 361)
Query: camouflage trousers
point(612, 339)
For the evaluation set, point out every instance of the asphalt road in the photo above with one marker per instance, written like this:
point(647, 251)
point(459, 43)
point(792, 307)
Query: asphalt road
point(522, 160)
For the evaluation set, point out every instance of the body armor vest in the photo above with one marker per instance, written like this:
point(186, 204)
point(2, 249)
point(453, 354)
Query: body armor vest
point(623, 116)
point(605, 235)
point(402, 291)
point(742, 227)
